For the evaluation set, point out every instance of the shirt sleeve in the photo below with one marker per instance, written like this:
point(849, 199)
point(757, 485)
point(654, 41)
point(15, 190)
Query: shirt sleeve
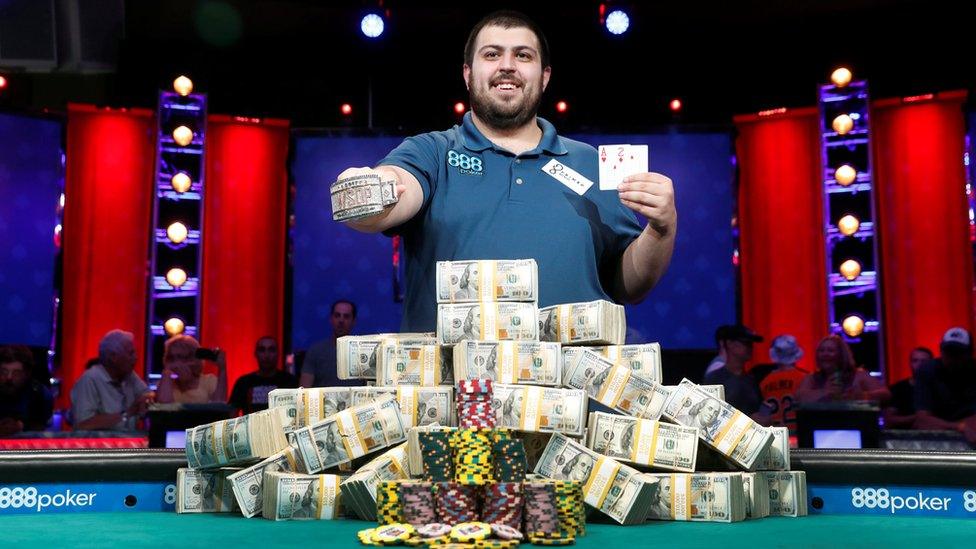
point(419, 156)
point(312, 358)
point(84, 400)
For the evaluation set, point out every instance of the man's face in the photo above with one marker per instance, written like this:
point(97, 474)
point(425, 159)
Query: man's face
point(709, 412)
point(473, 276)
point(342, 319)
point(122, 363)
point(955, 356)
point(13, 378)
point(739, 350)
point(506, 78)
point(266, 353)
point(917, 358)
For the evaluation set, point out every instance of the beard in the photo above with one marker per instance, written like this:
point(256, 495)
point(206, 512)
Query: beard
point(505, 116)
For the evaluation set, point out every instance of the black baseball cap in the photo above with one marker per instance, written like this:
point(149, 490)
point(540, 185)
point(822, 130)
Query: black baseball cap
point(736, 332)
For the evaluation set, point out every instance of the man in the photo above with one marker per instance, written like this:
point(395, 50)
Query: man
point(25, 404)
point(109, 395)
point(779, 387)
point(735, 344)
point(319, 367)
point(250, 392)
point(945, 388)
point(900, 413)
point(498, 186)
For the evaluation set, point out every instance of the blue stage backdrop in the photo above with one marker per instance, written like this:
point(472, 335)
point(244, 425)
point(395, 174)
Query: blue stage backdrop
point(696, 295)
point(30, 179)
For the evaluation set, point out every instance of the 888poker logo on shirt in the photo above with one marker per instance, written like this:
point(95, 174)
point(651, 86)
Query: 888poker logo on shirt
point(465, 164)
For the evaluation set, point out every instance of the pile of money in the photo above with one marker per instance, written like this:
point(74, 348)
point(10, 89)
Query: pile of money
point(699, 497)
point(357, 356)
point(359, 490)
point(526, 362)
point(486, 321)
point(643, 441)
point(540, 409)
point(239, 440)
point(413, 364)
point(199, 491)
point(612, 385)
point(592, 323)
point(351, 433)
point(722, 427)
point(787, 493)
point(418, 405)
point(487, 280)
point(614, 489)
point(643, 359)
point(294, 496)
point(361, 196)
point(248, 483)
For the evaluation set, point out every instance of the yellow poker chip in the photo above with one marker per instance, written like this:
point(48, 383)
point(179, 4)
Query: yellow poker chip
point(366, 537)
point(496, 543)
point(470, 531)
point(565, 540)
point(392, 533)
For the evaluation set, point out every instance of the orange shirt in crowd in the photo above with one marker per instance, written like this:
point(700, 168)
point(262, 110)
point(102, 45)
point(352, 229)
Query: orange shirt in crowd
point(778, 392)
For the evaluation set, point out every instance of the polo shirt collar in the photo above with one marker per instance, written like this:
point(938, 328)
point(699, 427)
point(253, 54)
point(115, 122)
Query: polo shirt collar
point(473, 140)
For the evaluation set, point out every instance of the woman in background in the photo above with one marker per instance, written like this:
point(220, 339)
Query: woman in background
point(183, 379)
point(837, 376)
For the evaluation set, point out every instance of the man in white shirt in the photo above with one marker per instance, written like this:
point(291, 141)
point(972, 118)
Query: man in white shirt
point(109, 395)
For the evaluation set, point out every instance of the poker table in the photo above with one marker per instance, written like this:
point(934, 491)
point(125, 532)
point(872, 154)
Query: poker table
point(116, 498)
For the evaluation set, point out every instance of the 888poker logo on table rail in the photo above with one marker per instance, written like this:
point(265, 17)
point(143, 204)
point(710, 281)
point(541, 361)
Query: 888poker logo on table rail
point(893, 500)
point(80, 498)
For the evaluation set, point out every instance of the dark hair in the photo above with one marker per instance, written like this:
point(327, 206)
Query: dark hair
point(17, 353)
point(507, 19)
point(338, 301)
point(925, 350)
point(271, 337)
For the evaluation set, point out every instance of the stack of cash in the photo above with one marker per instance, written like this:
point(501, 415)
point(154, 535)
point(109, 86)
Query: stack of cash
point(722, 427)
point(777, 456)
point(486, 321)
point(614, 489)
point(756, 494)
point(413, 364)
point(294, 496)
point(787, 493)
point(239, 440)
point(418, 405)
point(289, 400)
point(361, 196)
point(248, 483)
point(487, 280)
point(540, 409)
point(612, 385)
point(357, 356)
point(700, 497)
point(526, 362)
point(643, 441)
point(351, 433)
point(592, 323)
point(644, 359)
point(359, 490)
point(199, 491)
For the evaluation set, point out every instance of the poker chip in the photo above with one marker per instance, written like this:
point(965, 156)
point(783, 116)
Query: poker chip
point(417, 502)
point(435, 447)
point(389, 508)
point(503, 503)
point(505, 531)
point(565, 540)
point(392, 533)
point(456, 503)
point(434, 530)
point(470, 531)
point(496, 543)
point(366, 537)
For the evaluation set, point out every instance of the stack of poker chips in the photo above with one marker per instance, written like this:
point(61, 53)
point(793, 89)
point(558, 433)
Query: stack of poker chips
point(554, 512)
point(474, 406)
point(503, 504)
point(435, 447)
point(472, 456)
point(457, 503)
point(417, 502)
point(540, 509)
point(508, 460)
point(389, 509)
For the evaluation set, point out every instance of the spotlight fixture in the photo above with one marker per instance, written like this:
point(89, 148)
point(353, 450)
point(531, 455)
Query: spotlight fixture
point(843, 124)
point(174, 326)
point(176, 277)
point(845, 175)
point(176, 232)
point(841, 77)
point(853, 325)
point(183, 86)
point(183, 136)
point(850, 269)
point(848, 225)
point(180, 182)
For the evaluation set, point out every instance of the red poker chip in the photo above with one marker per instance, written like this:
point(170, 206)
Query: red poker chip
point(505, 531)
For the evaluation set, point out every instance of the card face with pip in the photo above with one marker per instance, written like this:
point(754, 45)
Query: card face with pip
point(618, 161)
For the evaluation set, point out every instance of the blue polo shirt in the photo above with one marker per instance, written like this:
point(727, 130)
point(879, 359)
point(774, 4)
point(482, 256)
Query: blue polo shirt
point(483, 202)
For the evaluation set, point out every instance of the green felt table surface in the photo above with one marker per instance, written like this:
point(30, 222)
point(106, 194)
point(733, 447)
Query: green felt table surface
point(137, 530)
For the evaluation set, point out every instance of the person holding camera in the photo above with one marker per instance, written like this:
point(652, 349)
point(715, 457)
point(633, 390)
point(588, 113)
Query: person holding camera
point(183, 380)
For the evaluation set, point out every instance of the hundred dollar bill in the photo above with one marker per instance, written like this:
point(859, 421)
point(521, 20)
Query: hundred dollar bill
point(294, 496)
point(643, 441)
point(540, 409)
point(488, 321)
point(612, 385)
point(487, 280)
point(756, 493)
point(199, 491)
point(413, 364)
point(361, 196)
point(644, 359)
point(699, 497)
point(591, 323)
point(614, 489)
point(248, 483)
point(524, 362)
point(359, 490)
point(777, 456)
point(357, 357)
point(236, 441)
point(787, 493)
point(719, 425)
point(289, 400)
point(419, 405)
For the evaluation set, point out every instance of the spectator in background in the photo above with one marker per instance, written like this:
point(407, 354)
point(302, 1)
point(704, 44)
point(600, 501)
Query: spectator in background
point(250, 393)
point(900, 412)
point(945, 388)
point(779, 386)
point(319, 366)
point(183, 379)
point(25, 404)
point(741, 390)
point(109, 395)
point(837, 376)
point(732, 338)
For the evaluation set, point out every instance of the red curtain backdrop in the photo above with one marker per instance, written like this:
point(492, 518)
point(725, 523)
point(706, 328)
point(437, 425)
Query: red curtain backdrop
point(926, 259)
point(781, 245)
point(108, 205)
point(244, 227)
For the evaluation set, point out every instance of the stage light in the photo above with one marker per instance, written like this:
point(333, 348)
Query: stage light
point(842, 124)
point(181, 182)
point(183, 136)
point(848, 225)
point(176, 277)
point(853, 325)
point(183, 86)
point(845, 175)
point(372, 25)
point(850, 269)
point(3, 82)
point(617, 22)
point(174, 326)
point(345, 109)
point(459, 108)
point(176, 232)
point(562, 106)
point(675, 105)
point(841, 77)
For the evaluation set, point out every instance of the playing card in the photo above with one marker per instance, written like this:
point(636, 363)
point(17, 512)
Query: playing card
point(618, 161)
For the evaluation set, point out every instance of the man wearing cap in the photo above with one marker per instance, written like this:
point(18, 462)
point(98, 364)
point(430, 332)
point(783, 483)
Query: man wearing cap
point(735, 349)
point(945, 388)
point(779, 387)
